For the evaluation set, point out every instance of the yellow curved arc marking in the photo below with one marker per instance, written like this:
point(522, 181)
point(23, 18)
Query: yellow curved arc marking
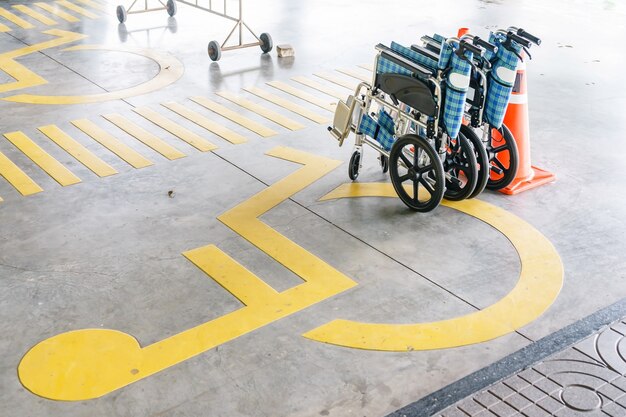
point(171, 69)
point(24, 77)
point(90, 363)
point(540, 282)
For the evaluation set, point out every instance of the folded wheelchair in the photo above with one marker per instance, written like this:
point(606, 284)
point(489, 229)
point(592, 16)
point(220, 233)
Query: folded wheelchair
point(415, 114)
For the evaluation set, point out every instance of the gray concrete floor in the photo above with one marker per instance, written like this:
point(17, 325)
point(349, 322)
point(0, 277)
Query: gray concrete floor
point(106, 253)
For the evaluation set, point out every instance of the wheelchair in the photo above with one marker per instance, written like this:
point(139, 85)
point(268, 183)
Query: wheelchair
point(412, 115)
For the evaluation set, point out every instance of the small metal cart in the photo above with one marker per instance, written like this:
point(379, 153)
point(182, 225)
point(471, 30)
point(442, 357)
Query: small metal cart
point(214, 48)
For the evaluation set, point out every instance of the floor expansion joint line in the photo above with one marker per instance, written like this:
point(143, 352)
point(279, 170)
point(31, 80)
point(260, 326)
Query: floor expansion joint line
point(210, 125)
point(175, 129)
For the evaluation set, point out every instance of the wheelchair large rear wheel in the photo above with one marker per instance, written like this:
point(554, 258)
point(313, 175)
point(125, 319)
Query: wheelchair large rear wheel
point(460, 168)
point(416, 173)
point(482, 159)
point(503, 158)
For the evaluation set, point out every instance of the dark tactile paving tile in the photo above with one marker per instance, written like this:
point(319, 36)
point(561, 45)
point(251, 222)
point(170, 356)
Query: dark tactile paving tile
point(585, 380)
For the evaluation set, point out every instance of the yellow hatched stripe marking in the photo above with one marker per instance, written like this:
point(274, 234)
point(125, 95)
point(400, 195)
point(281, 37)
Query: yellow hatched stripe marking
point(330, 106)
point(319, 87)
point(78, 151)
point(263, 111)
point(77, 9)
point(350, 85)
point(175, 129)
point(289, 105)
point(205, 123)
point(93, 4)
point(22, 182)
point(15, 19)
point(144, 136)
point(129, 155)
point(54, 168)
point(368, 67)
point(4, 28)
point(35, 14)
point(356, 74)
point(57, 12)
point(234, 116)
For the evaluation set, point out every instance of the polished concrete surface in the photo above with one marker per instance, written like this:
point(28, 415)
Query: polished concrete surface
point(108, 252)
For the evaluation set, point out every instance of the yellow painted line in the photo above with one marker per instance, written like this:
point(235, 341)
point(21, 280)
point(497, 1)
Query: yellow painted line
point(78, 151)
point(356, 74)
point(205, 123)
point(289, 105)
point(319, 87)
point(35, 14)
point(303, 95)
point(22, 182)
point(540, 281)
point(234, 116)
point(63, 366)
point(94, 5)
point(77, 9)
point(4, 28)
point(15, 19)
point(55, 10)
point(129, 155)
point(23, 76)
point(369, 67)
point(350, 85)
point(170, 70)
point(263, 111)
point(54, 168)
point(144, 136)
point(175, 129)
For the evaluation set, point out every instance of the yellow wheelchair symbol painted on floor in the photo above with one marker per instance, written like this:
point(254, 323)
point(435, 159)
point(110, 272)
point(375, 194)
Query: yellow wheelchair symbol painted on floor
point(170, 70)
point(90, 363)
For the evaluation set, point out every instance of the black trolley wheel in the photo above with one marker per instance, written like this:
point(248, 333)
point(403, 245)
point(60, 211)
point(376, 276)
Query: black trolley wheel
point(460, 168)
point(266, 42)
point(354, 165)
point(121, 13)
point(171, 8)
point(215, 51)
point(414, 163)
point(482, 159)
point(503, 158)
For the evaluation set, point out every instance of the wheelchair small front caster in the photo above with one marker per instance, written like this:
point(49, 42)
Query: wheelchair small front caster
point(384, 163)
point(354, 165)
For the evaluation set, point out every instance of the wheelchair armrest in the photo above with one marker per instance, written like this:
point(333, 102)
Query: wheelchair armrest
point(428, 53)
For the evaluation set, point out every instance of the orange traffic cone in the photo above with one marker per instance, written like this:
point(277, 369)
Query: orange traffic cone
point(461, 32)
point(516, 118)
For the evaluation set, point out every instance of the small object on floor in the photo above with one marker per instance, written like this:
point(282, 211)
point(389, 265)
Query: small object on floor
point(285, 50)
point(170, 193)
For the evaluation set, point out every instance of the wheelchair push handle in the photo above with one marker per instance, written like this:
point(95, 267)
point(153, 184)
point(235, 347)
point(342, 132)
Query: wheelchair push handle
point(524, 34)
point(517, 38)
point(484, 44)
point(466, 46)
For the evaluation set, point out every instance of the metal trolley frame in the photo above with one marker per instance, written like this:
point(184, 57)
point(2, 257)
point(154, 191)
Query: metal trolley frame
point(264, 40)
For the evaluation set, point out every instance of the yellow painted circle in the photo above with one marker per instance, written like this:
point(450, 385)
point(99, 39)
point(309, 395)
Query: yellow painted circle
point(540, 281)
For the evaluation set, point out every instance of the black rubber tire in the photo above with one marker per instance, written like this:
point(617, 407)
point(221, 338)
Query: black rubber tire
point(266, 42)
point(121, 14)
point(482, 159)
point(354, 165)
point(384, 163)
point(171, 7)
point(215, 50)
point(504, 142)
point(460, 163)
point(405, 156)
